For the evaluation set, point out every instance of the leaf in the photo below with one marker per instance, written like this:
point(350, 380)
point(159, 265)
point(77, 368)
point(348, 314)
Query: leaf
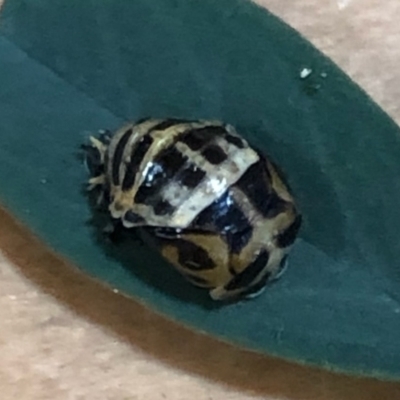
point(70, 68)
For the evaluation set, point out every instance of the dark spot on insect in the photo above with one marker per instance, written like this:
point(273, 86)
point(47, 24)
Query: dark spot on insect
point(143, 194)
point(273, 206)
point(137, 155)
point(133, 217)
point(167, 124)
point(288, 236)
point(214, 154)
point(171, 159)
point(164, 167)
point(250, 274)
point(253, 183)
point(195, 139)
point(238, 240)
point(191, 176)
point(163, 207)
point(117, 158)
point(225, 216)
point(193, 256)
point(256, 185)
point(236, 141)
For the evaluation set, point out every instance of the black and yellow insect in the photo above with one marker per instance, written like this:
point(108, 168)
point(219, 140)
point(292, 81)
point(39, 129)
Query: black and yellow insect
point(216, 208)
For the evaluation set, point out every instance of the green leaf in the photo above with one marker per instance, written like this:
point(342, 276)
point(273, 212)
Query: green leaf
point(69, 68)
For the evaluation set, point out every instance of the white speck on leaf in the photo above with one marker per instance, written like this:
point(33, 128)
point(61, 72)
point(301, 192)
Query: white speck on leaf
point(305, 73)
point(324, 74)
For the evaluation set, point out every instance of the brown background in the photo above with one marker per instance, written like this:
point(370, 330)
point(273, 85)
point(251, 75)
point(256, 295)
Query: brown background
point(62, 336)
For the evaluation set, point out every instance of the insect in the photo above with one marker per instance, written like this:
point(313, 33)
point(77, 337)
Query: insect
point(216, 208)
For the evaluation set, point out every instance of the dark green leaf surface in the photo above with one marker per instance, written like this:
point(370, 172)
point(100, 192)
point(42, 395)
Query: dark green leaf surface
point(68, 68)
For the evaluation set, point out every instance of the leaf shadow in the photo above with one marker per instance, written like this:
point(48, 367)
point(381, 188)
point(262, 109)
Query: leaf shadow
point(130, 249)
